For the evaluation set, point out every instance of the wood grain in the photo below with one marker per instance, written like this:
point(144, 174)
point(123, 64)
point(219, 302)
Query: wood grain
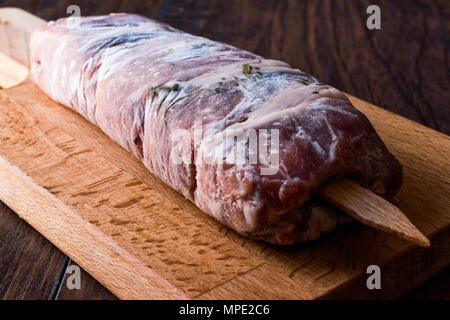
point(61, 225)
point(15, 33)
point(51, 10)
point(29, 264)
point(326, 68)
point(435, 289)
point(11, 72)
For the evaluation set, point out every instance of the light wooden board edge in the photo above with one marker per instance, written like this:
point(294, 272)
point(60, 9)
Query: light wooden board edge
point(94, 250)
point(11, 72)
point(17, 22)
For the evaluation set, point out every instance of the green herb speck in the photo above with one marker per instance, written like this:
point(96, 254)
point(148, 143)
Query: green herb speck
point(246, 69)
point(153, 91)
point(302, 81)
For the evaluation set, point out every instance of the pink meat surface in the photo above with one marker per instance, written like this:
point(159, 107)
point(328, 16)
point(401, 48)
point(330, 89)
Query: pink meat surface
point(166, 95)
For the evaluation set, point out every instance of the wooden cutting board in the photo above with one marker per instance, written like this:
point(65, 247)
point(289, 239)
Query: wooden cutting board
point(141, 239)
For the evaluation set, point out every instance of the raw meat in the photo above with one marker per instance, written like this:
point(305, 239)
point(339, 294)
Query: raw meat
point(184, 105)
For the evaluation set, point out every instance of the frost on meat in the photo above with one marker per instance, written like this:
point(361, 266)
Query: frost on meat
point(140, 81)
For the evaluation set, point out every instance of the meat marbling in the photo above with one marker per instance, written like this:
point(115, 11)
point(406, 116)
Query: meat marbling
point(164, 94)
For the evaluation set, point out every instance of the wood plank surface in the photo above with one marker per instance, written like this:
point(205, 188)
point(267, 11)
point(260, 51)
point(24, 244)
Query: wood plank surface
point(30, 266)
point(188, 12)
point(435, 289)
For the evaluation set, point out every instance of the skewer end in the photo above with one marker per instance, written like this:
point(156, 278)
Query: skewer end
point(422, 241)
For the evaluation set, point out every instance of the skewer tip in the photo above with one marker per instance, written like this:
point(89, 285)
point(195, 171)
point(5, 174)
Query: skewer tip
point(422, 240)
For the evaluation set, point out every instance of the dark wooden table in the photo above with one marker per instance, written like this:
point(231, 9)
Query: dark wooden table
point(404, 67)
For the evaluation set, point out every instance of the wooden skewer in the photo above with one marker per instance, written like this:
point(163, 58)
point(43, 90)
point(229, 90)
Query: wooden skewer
point(372, 210)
